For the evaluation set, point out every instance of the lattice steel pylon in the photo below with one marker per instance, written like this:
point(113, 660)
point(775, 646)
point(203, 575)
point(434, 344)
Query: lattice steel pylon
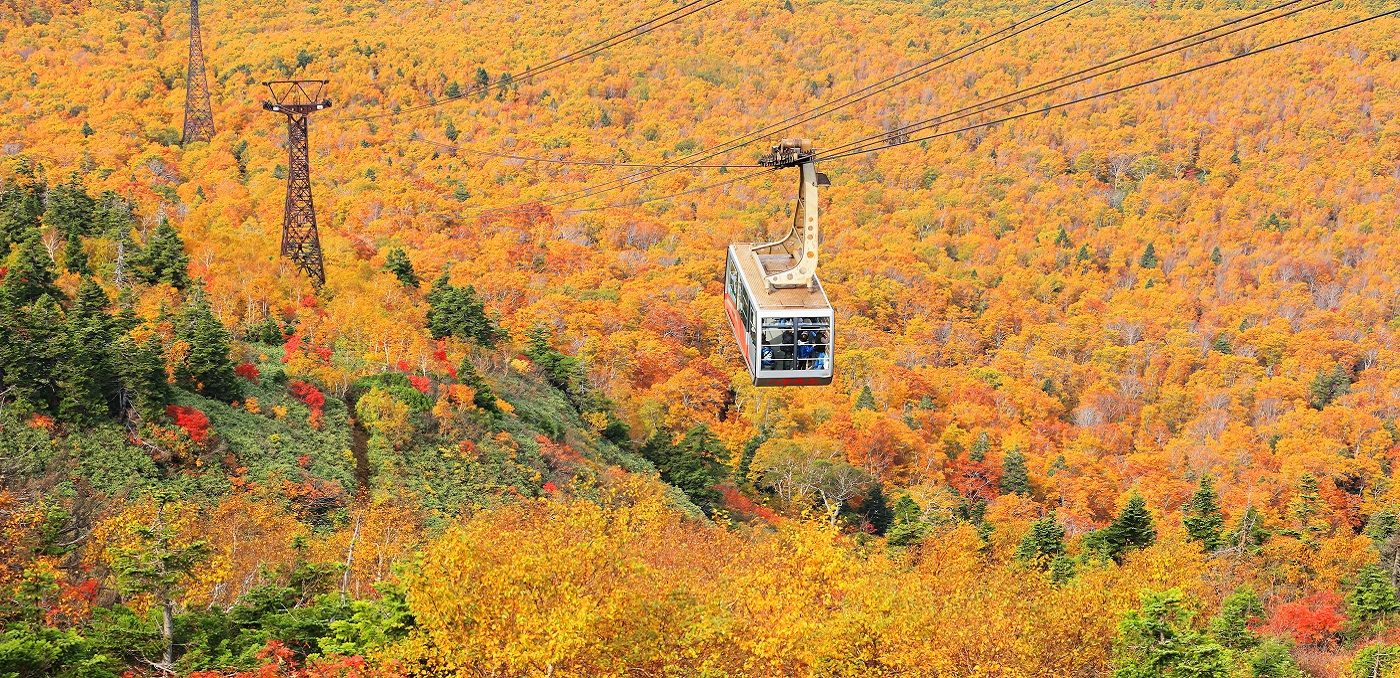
point(199, 117)
point(297, 99)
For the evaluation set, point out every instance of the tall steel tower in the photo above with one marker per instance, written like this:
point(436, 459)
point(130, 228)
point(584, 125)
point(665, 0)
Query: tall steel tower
point(297, 99)
point(199, 118)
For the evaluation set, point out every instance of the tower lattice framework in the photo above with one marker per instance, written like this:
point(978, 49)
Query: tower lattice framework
point(298, 99)
point(199, 117)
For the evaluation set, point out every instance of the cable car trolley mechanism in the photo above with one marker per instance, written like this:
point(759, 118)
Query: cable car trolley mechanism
point(781, 318)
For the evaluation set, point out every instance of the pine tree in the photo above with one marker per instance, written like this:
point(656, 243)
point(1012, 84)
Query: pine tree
point(746, 456)
point(21, 203)
point(1043, 543)
point(164, 259)
point(1149, 257)
point(450, 130)
point(208, 369)
point(907, 527)
point(156, 564)
point(1249, 533)
point(980, 447)
point(1231, 626)
point(1372, 597)
point(32, 275)
point(84, 371)
point(865, 400)
point(397, 263)
point(1215, 256)
point(485, 398)
point(1083, 253)
point(1202, 518)
point(1306, 509)
point(1132, 529)
point(1328, 386)
point(1014, 478)
point(32, 341)
point(458, 311)
point(70, 209)
point(1062, 239)
point(693, 465)
point(1157, 641)
point(75, 259)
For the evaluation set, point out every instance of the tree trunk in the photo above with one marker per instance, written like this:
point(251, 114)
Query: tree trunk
point(167, 631)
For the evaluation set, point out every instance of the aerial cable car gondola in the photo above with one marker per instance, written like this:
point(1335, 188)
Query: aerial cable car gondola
point(781, 318)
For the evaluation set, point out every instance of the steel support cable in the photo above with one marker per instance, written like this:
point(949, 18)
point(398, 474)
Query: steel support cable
point(560, 161)
point(1017, 116)
point(931, 65)
point(600, 46)
point(1118, 90)
point(1080, 76)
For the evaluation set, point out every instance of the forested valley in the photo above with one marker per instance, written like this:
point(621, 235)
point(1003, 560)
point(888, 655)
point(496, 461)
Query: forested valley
point(1116, 383)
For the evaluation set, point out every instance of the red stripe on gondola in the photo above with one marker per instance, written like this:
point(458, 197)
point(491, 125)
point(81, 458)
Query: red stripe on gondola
point(737, 325)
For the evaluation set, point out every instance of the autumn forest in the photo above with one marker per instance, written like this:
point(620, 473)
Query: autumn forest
point(1116, 340)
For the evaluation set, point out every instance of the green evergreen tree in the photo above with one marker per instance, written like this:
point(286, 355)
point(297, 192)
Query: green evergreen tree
point(1306, 509)
point(397, 263)
point(1216, 257)
point(32, 275)
point(1231, 626)
point(746, 456)
point(980, 447)
point(75, 259)
point(694, 465)
point(1202, 518)
point(457, 311)
point(1062, 239)
point(164, 259)
point(485, 398)
point(1222, 344)
point(84, 371)
point(1043, 543)
point(208, 369)
point(1249, 533)
point(1014, 477)
point(1327, 386)
point(32, 340)
point(865, 400)
point(21, 204)
point(1157, 641)
point(70, 209)
point(1372, 597)
point(1149, 257)
point(907, 527)
point(156, 566)
point(1133, 528)
point(1084, 253)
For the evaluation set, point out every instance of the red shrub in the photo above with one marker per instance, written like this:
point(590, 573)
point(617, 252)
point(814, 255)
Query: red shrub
point(308, 394)
point(403, 366)
point(1314, 620)
point(738, 503)
point(192, 420)
point(420, 383)
point(248, 371)
point(292, 345)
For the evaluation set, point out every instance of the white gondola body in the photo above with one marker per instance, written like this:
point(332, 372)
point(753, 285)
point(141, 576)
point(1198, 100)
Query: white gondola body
point(785, 334)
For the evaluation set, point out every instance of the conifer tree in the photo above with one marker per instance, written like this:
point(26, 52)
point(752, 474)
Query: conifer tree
point(157, 565)
point(1133, 528)
point(1215, 256)
point(1328, 386)
point(397, 263)
point(1372, 598)
point(32, 275)
point(75, 258)
point(1249, 533)
point(1149, 257)
point(84, 371)
point(208, 369)
point(70, 209)
point(1043, 543)
point(980, 447)
point(485, 398)
point(865, 400)
point(1231, 626)
point(1202, 518)
point(32, 341)
point(21, 204)
point(1062, 239)
point(907, 527)
point(164, 259)
point(459, 311)
point(1014, 478)
point(694, 465)
point(1083, 253)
